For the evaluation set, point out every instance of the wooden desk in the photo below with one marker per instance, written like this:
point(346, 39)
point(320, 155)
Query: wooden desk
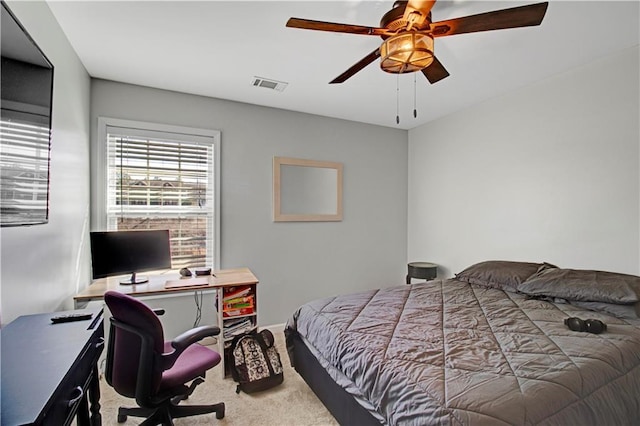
point(156, 284)
point(223, 278)
point(50, 372)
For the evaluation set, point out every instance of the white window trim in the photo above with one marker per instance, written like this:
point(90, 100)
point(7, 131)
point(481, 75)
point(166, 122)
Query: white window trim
point(101, 168)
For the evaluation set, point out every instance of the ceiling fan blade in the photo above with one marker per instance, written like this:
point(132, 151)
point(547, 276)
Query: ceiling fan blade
point(308, 24)
point(435, 72)
point(522, 16)
point(356, 67)
point(417, 11)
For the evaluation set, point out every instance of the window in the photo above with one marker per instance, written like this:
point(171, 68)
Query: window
point(164, 177)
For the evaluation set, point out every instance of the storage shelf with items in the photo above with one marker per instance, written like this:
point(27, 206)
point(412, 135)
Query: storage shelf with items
point(237, 314)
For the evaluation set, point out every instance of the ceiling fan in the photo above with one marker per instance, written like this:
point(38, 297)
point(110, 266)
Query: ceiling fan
point(407, 32)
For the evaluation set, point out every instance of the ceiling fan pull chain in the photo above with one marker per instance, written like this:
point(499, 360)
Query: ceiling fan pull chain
point(397, 98)
point(415, 95)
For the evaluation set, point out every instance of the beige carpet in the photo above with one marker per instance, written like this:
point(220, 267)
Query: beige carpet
point(291, 403)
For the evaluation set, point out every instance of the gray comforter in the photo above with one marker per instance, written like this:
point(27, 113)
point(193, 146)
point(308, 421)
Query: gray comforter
point(448, 352)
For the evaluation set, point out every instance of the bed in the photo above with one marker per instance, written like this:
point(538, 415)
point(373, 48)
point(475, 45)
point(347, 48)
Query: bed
point(489, 346)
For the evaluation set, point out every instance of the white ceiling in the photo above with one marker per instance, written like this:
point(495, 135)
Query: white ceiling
point(215, 48)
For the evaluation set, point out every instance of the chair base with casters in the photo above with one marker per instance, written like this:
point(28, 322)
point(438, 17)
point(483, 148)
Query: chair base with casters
point(158, 374)
point(165, 414)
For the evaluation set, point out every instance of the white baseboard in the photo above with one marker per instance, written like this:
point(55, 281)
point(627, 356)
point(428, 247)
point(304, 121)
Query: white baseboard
point(275, 328)
point(208, 341)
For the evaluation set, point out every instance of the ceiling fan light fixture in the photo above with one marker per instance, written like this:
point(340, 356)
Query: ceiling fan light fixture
point(406, 52)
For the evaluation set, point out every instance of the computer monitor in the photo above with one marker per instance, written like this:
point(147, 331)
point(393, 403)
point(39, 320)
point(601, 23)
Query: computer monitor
point(129, 252)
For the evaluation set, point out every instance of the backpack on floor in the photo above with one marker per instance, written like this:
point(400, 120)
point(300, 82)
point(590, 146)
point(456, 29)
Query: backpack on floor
point(255, 362)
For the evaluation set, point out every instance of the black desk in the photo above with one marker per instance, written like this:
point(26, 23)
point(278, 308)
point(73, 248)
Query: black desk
point(50, 371)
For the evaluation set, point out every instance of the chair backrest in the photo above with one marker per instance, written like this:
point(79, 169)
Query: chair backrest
point(136, 340)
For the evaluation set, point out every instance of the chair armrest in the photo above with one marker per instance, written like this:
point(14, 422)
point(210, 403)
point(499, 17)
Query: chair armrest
point(187, 339)
point(194, 335)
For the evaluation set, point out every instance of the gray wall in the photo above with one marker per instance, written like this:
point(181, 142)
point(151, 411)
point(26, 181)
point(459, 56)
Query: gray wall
point(43, 266)
point(295, 262)
point(549, 172)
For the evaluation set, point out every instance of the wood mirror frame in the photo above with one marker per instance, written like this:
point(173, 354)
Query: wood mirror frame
point(318, 186)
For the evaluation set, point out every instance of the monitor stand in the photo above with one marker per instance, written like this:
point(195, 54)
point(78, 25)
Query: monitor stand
point(135, 280)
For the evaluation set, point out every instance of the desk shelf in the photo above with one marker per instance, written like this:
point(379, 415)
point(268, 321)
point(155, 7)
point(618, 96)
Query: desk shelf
point(237, 308)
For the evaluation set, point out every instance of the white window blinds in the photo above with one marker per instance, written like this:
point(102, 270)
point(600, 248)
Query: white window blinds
point(24, 166)
point(159, 180)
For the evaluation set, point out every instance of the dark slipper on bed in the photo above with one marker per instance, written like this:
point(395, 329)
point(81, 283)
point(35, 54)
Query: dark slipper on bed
point(590, 325)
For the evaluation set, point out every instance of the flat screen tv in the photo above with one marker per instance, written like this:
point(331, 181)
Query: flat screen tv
point(25, 116)
point(129, 252)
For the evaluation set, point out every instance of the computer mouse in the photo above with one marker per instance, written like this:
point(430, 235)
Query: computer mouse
point(185, 272)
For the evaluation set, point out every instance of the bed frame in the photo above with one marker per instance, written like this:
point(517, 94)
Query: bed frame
point(342, 405)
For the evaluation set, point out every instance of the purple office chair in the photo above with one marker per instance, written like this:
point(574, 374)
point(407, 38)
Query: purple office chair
point(141, 365)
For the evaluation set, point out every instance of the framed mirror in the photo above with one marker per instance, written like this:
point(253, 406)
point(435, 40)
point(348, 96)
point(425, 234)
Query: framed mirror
point(306, 190)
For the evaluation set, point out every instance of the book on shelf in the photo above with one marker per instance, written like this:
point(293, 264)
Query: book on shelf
point(241, 299)
point(235, 321)
point(238, 302)
point(237, 326)
point(231, 335)
point(237, 307)
point(234, 292)
point(238, 312)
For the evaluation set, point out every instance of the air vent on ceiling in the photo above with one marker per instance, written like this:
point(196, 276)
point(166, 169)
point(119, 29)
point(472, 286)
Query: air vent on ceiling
point(269, 84)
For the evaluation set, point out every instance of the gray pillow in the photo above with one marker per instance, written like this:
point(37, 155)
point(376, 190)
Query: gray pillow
point(583, 285)
point(631, 311)
point(501, 274)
